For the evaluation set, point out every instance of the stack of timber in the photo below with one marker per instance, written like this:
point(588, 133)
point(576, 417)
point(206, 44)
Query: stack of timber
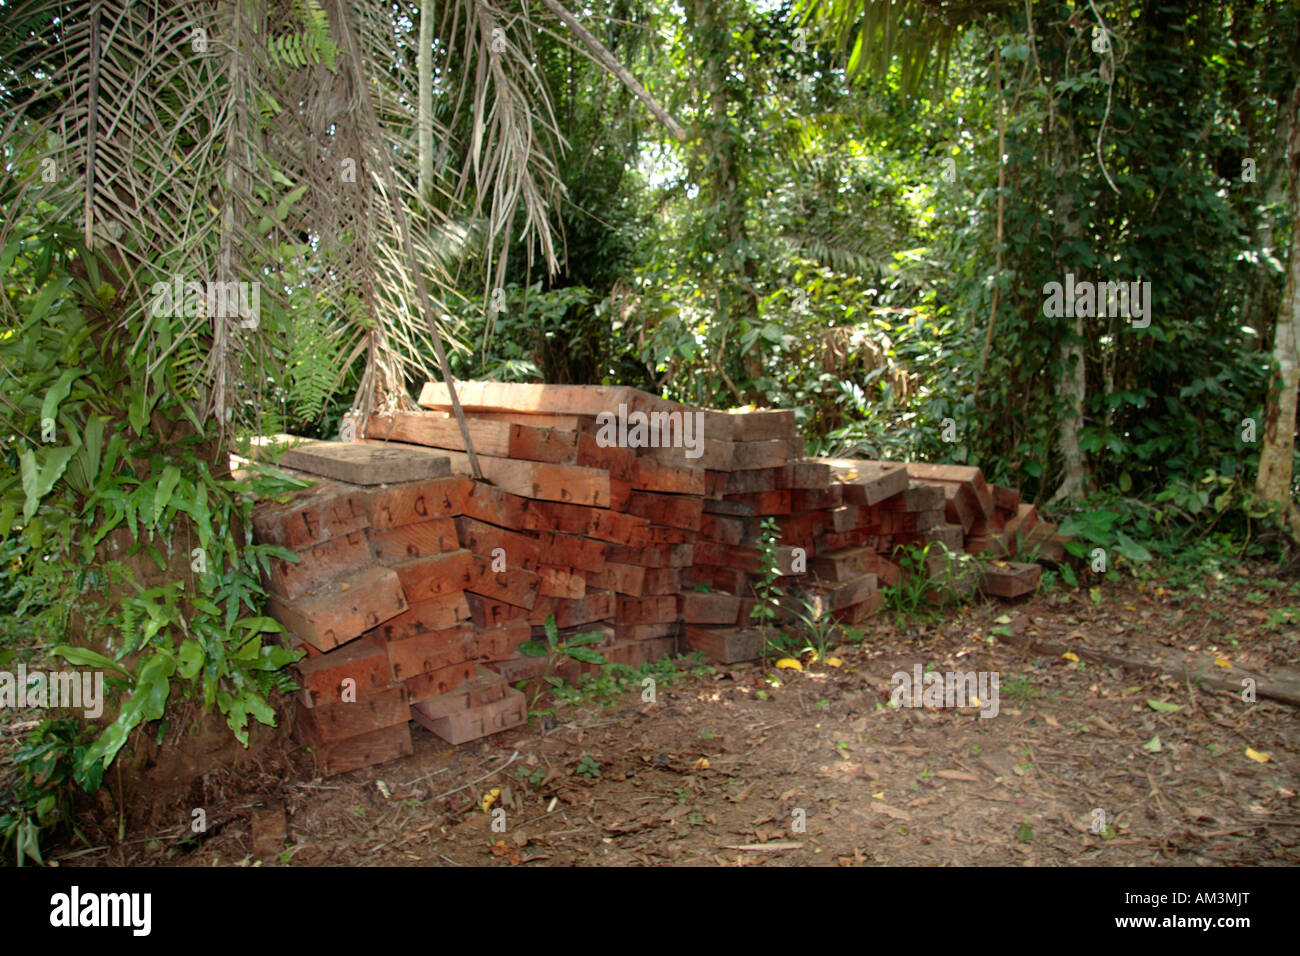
point(608, 510)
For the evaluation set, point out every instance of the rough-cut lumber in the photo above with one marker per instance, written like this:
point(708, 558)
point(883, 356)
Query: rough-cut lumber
point(1010, 579)
point(341, 610)
point(391, 506)
point(495, 438)
point(434, 615)
point(324, 511)
point(538, 479)
point(762, 425)
point(438, 575)
point(419, 540)
point(363, 662)
point(485, 687)
point(361, 462)
point(364, 750)
point(335, 720)
point(320, 564)
point(479, 721)
point(727, 645)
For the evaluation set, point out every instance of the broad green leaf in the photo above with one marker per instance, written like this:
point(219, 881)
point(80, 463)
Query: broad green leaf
point(1163, 706)
point(85, 657)
point(190, 658)
point(586, 655)
point(532, 649)
point(163, 494)
point(57, 392)
point(580, 640)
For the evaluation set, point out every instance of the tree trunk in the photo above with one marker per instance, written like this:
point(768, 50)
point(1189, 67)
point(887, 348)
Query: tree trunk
point(1273, 483)
point(1072, 386)
point(424, 116)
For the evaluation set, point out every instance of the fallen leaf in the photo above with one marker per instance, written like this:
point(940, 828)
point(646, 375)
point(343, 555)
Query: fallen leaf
point(892, 812)
point(1153, 745)
point(490, 798)
point(1256, 756)
point(1163, 706)
point(1222, 662)
point(1070, 656)
point(834, 662)
point(957, 775)
point(766, 847)
point(702, 764)
point(789, 663)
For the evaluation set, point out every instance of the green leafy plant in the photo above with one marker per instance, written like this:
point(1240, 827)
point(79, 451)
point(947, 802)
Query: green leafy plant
point(764, 612)
point(576, 647)
point(587, 767)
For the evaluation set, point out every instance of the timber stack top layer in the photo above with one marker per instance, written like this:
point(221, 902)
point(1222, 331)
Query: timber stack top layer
point(617, 514)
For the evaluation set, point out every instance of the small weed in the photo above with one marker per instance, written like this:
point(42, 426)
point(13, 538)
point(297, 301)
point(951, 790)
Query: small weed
point(587, 767)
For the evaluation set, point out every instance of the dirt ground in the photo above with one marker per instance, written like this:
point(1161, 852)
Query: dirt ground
point(755, 765)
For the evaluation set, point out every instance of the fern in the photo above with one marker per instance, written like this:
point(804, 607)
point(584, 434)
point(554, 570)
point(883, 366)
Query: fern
point(312, 45)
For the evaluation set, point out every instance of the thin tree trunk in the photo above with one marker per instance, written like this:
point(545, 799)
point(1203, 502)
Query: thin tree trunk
point(1072, 386)
point(1273, 483)
point(424, 115)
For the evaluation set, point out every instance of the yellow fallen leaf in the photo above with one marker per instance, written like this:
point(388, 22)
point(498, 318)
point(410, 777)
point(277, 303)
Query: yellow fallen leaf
point(879, 796)
point(490, 798)
point(1070, 656)
point(1222, 662)
point(702, 763)
point(1256, 756)
point(834, 662)
point(789, 663)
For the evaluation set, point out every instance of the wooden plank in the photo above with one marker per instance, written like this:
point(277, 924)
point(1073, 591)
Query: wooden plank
point(1010, 579)
point(362, 462)
point(970, 479)
point(435, 576)
point(918, 497)
point(516, 550)
point(495, 506)
point(363, 662)
point(371, 710)
point(761, 425)
point(727, 645)
point(641, 632)
point(1006, 499)
point(499, 439)
point(602, 524)
point(708, 607)
point(594, 606)
point(364, 750)
point(485, 687)
point(420, 540)
point(420, 618)
point(342, 610)
point(663, 580)
point(817, 499)
point(428, 651)
point(572, 551)
point(561, 582)
point(619, 462)
point(392, 506)
point(646, 610)
point(538, 479)
point(760, 454)
point(516, 586)
point(752, 482)
point(320, 564)
point(441, 681)
point(654, 555)
point(490, 613)
point(648, 474)
point(480, 721)
point(324, 511)
point(676, 511)
point(868, 482)
point(767, 503)
point(621, 578)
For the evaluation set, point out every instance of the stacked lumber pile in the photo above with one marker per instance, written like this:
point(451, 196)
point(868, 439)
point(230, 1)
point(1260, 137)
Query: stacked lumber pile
point(417, 584)
point(379, 601)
